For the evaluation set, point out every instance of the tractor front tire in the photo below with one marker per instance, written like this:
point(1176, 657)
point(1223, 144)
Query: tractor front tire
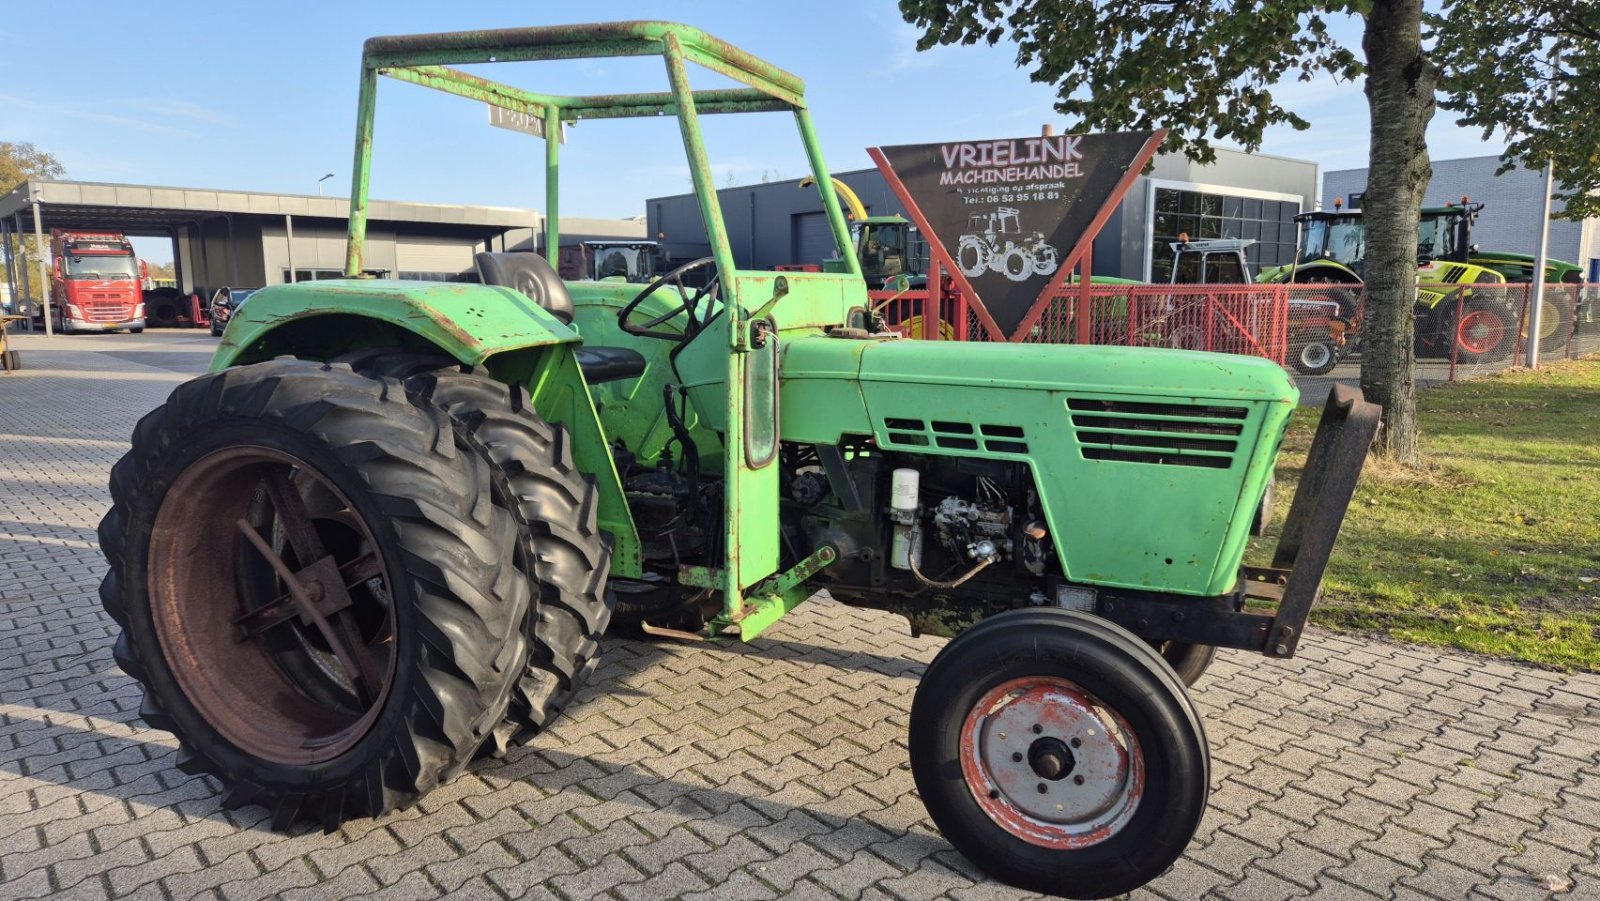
point(392, 525)
point(556, 506)
point(1059, 753)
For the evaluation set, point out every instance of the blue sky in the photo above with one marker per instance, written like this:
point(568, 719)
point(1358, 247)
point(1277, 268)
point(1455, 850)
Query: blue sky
point(261, 97)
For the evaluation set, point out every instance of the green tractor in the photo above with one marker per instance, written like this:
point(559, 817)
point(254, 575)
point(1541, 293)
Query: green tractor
point(1484, 327)
point(388, 530)
point(888, 249)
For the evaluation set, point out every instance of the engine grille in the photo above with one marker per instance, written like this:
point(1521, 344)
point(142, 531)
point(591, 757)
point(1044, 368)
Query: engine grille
point(954, 435)
point(108, 312)
point(1162, 434)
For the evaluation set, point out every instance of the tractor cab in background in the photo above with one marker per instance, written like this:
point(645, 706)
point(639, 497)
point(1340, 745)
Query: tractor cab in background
point(887, 247)
point(1211, 261)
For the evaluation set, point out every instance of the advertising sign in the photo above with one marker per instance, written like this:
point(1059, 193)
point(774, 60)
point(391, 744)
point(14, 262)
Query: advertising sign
point(1014, 215)
point(515, 120)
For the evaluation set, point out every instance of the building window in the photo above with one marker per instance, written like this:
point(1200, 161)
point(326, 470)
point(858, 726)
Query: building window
point(438, 276)
point(313, 275)
point(1206, 214)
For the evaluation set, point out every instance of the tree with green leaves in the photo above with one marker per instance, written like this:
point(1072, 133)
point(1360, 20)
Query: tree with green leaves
point(1528, 71)
point(20, 161)
point(1206, 68)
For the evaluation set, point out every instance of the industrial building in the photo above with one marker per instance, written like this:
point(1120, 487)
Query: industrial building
point(237, 238)
point(1512, 205)
point(1240, 195)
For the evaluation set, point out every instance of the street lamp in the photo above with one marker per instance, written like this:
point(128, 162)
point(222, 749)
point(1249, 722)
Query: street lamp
point(320, 181)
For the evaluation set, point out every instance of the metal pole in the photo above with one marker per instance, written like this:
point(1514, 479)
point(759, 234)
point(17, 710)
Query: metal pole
point(1536, 301)
point(1085, 294)
point(552, 185)
point(22, 265)
point(11, 267)
point(288, 227)
point(44, 264)
point(1535, 312)
point(233, 252)
point(361, 171)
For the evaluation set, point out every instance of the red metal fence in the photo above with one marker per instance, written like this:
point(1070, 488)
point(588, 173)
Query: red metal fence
point(1461, 331)
point(1250, 319)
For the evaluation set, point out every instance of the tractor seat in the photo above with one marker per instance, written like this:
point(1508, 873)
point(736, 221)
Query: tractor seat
point(534, 277)
point(530, 274)
point(609, 364)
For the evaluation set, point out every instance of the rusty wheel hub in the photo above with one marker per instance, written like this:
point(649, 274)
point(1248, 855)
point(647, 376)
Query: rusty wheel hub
point(1050, 764)
point(272, 605)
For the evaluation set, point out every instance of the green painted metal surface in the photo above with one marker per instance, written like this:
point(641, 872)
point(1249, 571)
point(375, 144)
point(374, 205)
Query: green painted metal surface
point(1179, 526)
point(469, 322)
point(1181, 513)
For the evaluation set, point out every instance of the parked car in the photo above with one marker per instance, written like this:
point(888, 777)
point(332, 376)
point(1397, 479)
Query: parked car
point(224, 304)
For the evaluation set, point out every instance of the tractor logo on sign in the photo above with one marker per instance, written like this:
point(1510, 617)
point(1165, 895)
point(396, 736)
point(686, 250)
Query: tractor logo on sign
point(994, 242)
point(1013, 217)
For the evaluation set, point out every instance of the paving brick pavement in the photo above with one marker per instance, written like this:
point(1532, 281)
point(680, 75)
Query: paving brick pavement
point(1359, 770)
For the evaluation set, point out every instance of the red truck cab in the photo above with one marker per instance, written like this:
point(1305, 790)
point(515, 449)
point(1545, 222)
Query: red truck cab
point(96, 282)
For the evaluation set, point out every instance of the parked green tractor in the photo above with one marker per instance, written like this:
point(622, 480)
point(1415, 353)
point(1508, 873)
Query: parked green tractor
point(387, 531)
point(1482, 326)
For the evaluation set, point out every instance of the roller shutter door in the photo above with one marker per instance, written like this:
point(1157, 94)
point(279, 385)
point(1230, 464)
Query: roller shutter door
point(813, 241)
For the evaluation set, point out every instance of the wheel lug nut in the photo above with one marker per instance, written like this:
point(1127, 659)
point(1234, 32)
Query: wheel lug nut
point(1043, 788)
point(1077, 780)
point(1037, 728)
point(1077, 742)
point(1016, 757)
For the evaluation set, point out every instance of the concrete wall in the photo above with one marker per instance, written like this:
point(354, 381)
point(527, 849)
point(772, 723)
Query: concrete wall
point(1510, 218)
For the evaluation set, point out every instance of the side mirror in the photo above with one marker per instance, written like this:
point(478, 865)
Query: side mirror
point(57, 267)
point(1472, 248)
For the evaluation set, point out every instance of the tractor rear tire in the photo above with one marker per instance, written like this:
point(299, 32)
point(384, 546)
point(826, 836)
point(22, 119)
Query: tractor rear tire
point(556, 504)
point(1059, 753)
point(405, 510)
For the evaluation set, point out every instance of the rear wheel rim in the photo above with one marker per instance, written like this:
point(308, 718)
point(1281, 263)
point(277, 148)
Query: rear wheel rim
point(1480, 332)
point(294, 691)
point(1315, 355)
point(1051, 764)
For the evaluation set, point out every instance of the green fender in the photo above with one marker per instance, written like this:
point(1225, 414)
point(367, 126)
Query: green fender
point(477, 324)
point(468, 321)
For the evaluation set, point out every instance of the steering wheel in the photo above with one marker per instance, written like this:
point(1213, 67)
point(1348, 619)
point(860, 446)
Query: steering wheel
point(690, 298)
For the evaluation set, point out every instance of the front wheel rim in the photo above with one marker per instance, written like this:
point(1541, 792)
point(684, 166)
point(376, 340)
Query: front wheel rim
point(1051, 764)
point(282, 688)
point(1315, 355)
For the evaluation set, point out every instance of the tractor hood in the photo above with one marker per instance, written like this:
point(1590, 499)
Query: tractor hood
point(1114, 370)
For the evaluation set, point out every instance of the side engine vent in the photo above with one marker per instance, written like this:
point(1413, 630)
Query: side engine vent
point(995, 438)
point(1165, 434)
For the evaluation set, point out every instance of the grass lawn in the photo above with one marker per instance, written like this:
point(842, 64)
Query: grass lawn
point(1495, 546)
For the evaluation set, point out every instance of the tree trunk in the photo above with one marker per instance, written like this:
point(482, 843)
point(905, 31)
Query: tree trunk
point(1400, 96)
